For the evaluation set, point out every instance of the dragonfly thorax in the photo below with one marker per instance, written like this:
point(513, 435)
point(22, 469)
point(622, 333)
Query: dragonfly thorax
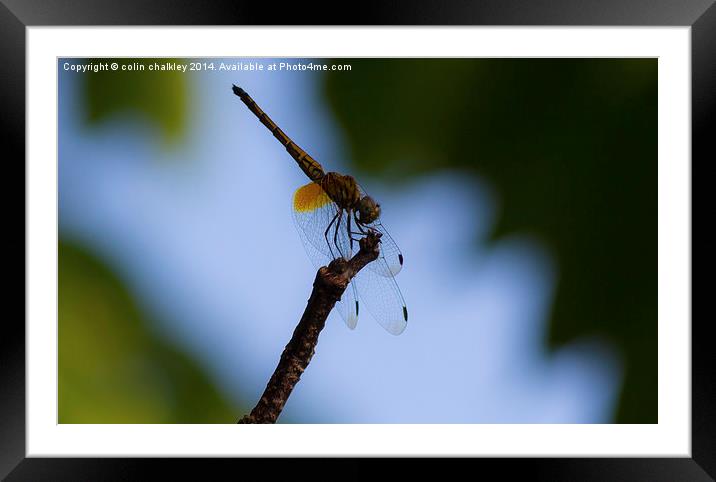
point(344, 191)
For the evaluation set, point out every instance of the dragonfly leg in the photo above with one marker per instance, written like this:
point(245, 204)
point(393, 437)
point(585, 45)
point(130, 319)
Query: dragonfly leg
point(325, 234)
point(360, 228)
point(349, 230)
point(352, 233)
point(335, 233)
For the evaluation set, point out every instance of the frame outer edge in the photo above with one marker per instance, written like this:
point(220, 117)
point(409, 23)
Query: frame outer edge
point(12, 337)
point(703, 118)
point(12, 95)
point(369, 12)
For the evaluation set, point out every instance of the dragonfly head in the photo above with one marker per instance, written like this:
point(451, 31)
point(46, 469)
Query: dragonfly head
point(368, 210)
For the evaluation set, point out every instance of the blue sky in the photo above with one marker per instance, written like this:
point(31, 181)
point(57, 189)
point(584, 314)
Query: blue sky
point(202, 234)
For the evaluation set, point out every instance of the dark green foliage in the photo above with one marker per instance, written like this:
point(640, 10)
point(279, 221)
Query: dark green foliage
point(160, 97)
point(112, 367)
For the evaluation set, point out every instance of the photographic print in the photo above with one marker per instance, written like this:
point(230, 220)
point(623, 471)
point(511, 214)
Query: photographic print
point(488, 228)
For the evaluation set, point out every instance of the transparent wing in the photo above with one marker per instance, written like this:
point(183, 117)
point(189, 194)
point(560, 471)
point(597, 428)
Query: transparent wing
point(375, 285)
point(382, 298)
point(389, 253)
point(389, 250)
point(348, 306)
point(313, 212)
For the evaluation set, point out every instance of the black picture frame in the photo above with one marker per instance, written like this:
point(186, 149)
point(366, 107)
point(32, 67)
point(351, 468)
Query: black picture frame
point(16, 15)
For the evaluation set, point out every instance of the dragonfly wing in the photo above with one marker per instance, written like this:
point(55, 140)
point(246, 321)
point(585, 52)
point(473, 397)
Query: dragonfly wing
point(389, 253)
point(389, 250)
point(348, 306)
point(382, 297)
point(313, 212)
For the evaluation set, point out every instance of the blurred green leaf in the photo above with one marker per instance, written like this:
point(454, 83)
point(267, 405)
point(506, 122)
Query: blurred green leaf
point(571, 146)
point(112, 367)
point(161, 97)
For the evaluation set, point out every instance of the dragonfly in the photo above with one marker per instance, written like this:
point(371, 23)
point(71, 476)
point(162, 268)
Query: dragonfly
point(332, 212)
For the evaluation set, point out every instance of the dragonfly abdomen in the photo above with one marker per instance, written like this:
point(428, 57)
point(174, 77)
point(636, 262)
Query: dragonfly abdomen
point(308, 164)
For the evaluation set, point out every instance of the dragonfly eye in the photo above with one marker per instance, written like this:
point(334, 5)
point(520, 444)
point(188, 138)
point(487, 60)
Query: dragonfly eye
point(368, 210)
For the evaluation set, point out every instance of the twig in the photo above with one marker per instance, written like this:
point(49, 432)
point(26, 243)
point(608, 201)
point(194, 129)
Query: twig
point(328, 287)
